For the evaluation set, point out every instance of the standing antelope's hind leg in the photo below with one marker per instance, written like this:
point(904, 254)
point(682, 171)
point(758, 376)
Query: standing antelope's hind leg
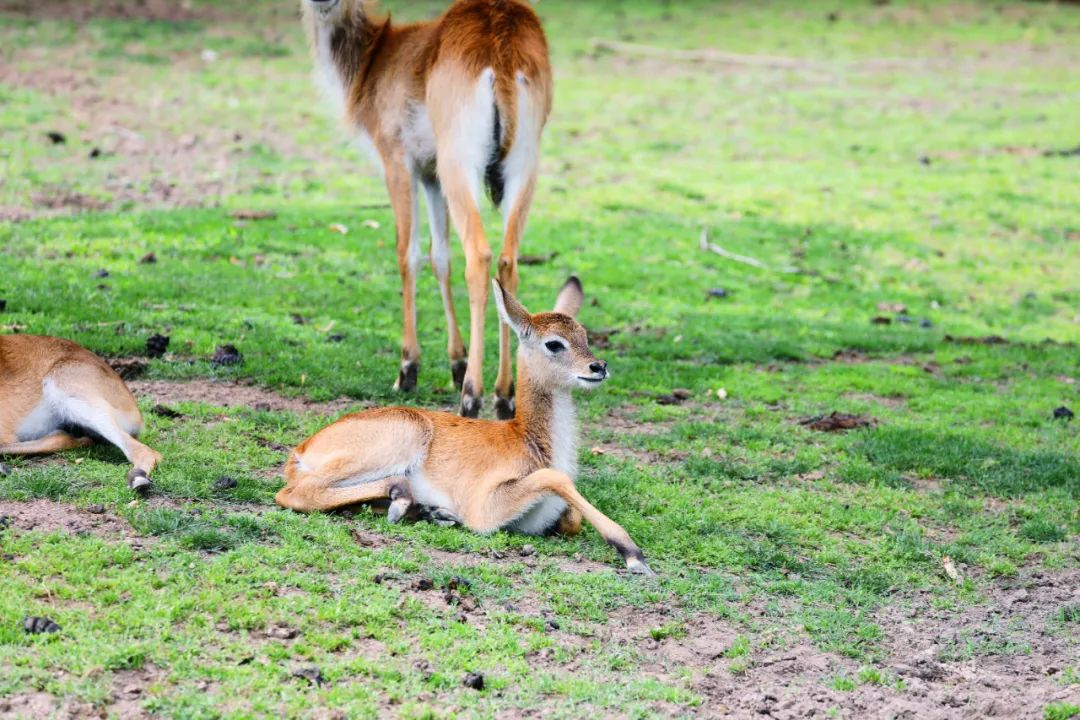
point(461, 106)
point(518, 172)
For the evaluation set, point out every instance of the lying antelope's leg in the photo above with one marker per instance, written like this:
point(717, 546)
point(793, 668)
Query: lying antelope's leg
point(48, 444)
point(513, 498)
point(85, 407)
point(440, 265)
point(402, 187)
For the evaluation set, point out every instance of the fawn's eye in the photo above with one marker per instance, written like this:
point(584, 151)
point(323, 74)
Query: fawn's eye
point(554, 346)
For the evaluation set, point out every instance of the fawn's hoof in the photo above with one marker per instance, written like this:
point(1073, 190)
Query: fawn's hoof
point(138, 481)
point(457, 371)
point(504, 408)
point(406, 380)
point(638, 567)
point(398, 509)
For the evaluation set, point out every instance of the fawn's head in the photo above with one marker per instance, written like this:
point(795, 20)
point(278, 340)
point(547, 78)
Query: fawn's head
point(553, 344)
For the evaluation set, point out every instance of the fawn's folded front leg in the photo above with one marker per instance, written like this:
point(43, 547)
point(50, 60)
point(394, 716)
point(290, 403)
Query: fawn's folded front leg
point(514, 497)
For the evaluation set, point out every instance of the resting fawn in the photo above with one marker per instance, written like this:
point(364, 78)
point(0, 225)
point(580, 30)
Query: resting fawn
point(485, 474)
point(54, 392)
point(451, 105)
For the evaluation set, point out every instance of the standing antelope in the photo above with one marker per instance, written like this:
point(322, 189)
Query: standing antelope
point(447, 104)
point(53, 392)
point(484, 474)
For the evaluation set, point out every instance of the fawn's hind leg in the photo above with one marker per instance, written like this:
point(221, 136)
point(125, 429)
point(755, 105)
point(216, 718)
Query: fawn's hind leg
point(306, 498)
point(513, 498)
point(360, 458)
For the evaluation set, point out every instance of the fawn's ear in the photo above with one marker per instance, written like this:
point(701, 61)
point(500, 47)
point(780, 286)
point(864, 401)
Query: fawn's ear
point(570, 297)
point(511, 311)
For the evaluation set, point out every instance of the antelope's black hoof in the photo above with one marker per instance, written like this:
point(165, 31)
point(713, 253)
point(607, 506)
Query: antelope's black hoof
point(504, 408)
point(138, 481)
point(470, 406)
point(406, 381)
point(457, 371)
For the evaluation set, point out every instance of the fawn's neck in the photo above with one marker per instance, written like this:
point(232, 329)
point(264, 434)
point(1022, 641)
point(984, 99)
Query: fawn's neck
point(342, 51)
point(547, 420)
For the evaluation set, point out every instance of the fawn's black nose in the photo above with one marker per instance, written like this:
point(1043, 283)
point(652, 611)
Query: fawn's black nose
point(599, 367)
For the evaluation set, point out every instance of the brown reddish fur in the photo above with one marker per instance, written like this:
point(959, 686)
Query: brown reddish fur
point(26, 361)
point(491, 473)
point(386, 69)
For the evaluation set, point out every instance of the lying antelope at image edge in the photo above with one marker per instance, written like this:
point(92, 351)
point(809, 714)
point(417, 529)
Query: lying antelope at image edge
point(451, 105)
point(54, 392)
point(485, 474)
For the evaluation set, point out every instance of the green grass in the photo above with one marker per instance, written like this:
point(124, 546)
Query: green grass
point(1061, 711)
point(923, 184)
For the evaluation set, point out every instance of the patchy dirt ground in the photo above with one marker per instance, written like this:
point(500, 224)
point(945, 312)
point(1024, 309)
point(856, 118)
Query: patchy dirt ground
point(233, 394)
point(50, 516)
point(82, 10)
point(997, 658)
point(124, 702)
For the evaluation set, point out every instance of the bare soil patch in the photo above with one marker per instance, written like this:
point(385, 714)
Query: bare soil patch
point(234, 394)
point(890, 401)
point(51, 516)
point(82, 10)
point(125, 702)
point(997, 659)
point(1002, 658)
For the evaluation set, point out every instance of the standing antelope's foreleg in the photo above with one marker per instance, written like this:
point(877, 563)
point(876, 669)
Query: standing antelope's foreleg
point(513, 498)
point(402, 187)
point(438, 219)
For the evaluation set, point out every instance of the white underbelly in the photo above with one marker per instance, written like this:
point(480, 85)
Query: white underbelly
point(539, 518)
point(39, 422)
point(425, 493)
